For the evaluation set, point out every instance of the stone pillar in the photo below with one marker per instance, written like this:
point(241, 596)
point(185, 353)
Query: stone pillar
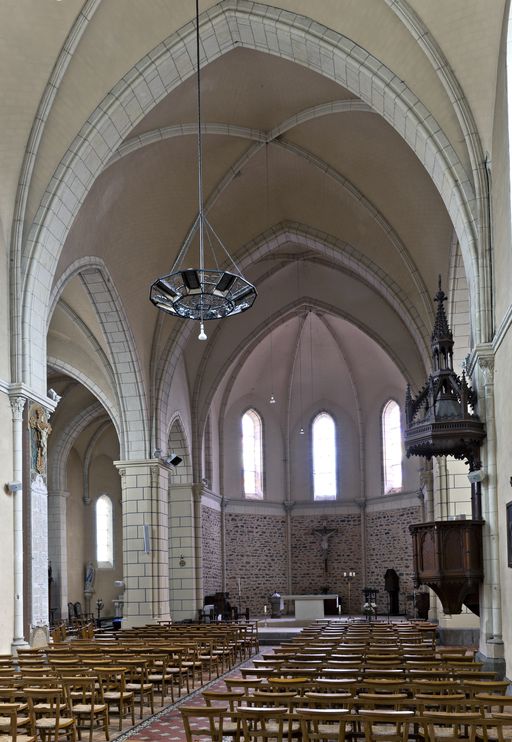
point(184, 569)
point(58, 549)
point(144, 488)
point(197, 492)
point(223, 506)
point(364, 561)
point(17, 406)
point(39, 548)
point(491, 641)
point(288, 508)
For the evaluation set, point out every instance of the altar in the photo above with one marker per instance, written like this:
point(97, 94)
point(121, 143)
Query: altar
point(309, 606)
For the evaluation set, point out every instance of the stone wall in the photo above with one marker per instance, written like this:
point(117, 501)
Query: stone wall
point(389, 546)
point(212, 550)
point(255, 555)
point(308, 567)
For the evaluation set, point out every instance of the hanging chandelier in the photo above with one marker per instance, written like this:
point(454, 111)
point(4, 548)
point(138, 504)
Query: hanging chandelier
point(202, 293)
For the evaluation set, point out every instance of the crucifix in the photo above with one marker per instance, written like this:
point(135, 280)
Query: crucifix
point(325, 534)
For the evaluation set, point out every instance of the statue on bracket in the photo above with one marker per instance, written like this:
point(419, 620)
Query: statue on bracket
point(40, 429)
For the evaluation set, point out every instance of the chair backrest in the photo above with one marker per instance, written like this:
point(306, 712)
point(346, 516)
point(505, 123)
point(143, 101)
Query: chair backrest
point(434, 721)
point(313, 723)
point(262, 723)
point(396, 721)
point(51, 698)
point(326, 700)
point(213, 718)
point(245, 684)
point(80, 689)
point(287, 699)
point(232, 698)
point(111, 679)
point(9, 713)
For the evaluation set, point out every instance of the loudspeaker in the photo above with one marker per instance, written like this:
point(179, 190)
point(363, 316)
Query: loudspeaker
point(147, 539)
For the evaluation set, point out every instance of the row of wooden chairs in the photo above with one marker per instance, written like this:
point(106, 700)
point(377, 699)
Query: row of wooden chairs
point(263, 723)
point(356, 677)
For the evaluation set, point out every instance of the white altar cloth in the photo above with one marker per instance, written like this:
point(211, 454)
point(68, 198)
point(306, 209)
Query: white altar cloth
point(309, 606)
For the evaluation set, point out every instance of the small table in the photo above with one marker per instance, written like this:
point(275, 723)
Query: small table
point(309, 606)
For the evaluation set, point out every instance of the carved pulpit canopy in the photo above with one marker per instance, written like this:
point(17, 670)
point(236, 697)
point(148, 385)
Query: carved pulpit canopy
point(441, 420)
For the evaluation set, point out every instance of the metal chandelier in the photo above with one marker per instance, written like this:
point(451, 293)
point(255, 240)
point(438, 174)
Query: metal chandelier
point(202, 293)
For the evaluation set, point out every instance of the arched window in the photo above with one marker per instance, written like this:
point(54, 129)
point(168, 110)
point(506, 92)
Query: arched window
point(252, 454)
point(391, 447)
point(323, 432)
point(104, 532)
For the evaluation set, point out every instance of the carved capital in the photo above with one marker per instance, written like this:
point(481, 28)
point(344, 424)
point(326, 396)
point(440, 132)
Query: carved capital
point(17, 407)
point(288, 506)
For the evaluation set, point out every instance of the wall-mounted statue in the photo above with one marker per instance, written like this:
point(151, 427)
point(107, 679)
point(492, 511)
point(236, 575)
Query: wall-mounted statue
point(40, 429)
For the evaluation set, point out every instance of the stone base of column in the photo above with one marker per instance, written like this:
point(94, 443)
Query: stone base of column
point(17, 643)
point(131, 622)
point(492, 649)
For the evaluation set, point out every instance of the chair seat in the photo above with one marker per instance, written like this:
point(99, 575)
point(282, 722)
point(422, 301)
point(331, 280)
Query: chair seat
point(21, 721)
point(19, 738)
point(47, 723)
point(114, 695)
point(139, 686)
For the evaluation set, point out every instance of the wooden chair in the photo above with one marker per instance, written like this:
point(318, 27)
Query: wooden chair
point(137, 681)
point(440, 726)
point(113, 691)
point(386, 726)
point(81, 697)
point(323, 724)
point(203, 721)
point(231, 726)
point(47, 716)
point(262, 723)
point(158, 675)
point(9, 724)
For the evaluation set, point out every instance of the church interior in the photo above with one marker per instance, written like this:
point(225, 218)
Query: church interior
point(355, 162)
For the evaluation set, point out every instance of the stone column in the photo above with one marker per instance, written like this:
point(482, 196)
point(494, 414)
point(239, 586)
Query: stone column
point(223, 506)
point(183, 566)
point(197, 493)
point(58, 549)
point(491, 641)
point(364, 565)
point(17, 406)
point(144, 487)
point(288, 507)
